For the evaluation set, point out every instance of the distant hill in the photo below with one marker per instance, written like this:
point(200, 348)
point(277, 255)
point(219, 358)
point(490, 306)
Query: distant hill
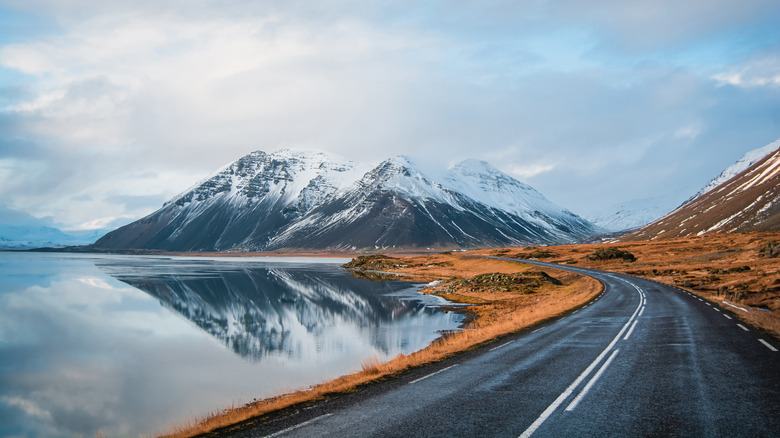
point(635, 214)
point(309, 200)
point(748, 201)
point(20, 230)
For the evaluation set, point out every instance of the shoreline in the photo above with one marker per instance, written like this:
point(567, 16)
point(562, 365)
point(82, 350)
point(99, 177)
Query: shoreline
point(491, 316)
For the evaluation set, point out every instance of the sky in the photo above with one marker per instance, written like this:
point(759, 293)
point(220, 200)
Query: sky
point(107, 109)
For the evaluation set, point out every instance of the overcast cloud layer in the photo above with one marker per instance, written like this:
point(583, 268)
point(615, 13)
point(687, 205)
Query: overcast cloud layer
point(107, 109)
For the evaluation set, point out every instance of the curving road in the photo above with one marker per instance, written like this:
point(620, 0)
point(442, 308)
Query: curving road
point(643, 359)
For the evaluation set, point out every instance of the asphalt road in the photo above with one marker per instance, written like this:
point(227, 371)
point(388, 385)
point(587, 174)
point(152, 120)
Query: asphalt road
point(643, 359)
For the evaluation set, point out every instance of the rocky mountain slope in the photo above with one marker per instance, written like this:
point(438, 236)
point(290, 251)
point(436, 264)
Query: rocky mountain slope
point(308, 200)
point(748, 201)
point(743, 163)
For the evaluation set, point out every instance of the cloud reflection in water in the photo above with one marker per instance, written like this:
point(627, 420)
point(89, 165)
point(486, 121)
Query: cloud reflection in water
point(82, 353)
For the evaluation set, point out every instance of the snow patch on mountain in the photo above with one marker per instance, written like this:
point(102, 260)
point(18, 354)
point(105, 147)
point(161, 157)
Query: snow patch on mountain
point(482, 182)
point(743, 163)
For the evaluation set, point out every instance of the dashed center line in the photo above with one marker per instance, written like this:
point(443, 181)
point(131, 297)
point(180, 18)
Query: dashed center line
point(726, 316)
point(743, 327)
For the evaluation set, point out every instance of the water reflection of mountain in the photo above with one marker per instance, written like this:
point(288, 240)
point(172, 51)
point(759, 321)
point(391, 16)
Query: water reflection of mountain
point(260, 309)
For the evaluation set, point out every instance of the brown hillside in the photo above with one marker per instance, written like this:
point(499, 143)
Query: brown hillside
point(750, 201)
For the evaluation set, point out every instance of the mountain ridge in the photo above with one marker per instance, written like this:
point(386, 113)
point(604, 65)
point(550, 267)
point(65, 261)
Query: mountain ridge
point(311, 200)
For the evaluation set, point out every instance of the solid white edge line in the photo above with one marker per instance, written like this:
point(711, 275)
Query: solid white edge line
point(630, 330)
point(566, 393)
point(595, 377)
point(502, 345)
point(743, 327)
point(736, 307)
point(432, 374)
point(290, 429)
point(767, 344)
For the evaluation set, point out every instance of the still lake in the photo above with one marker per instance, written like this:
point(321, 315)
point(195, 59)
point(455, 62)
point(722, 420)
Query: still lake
point(129, 345)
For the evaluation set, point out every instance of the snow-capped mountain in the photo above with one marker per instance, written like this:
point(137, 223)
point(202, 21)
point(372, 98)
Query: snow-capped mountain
point(748, 201)
point(637, 213)
point(309, 200)
point(743, 163)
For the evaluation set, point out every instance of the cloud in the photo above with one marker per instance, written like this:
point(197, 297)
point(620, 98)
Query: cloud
point(530, 171)
point(760, 71)
point(121, 104)
point(643, 25)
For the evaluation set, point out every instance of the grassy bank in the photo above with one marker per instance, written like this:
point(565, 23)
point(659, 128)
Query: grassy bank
point(505, 296)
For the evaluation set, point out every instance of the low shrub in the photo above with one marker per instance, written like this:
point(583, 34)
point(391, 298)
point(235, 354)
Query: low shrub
point(611, 253)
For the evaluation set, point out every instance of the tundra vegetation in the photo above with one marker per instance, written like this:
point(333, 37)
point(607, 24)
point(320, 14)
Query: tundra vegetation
point(740, 269)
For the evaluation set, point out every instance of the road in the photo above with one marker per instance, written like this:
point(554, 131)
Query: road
point(643, 359)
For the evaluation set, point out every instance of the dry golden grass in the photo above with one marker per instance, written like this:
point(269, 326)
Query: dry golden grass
point(711, 266)
point(494, 315)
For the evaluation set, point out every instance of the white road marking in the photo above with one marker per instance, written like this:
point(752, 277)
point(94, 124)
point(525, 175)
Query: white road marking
point(700, 299)
point(631, 329)
point(432, 374)
point(726, 316)
point(716, 309)
point(708, 304)
point(640, 313)
point(743, 327)
point(536, 330)
point(767, 344)
point(736, 307)
point(565, 394)
point(290, 429)
point(595, 377)
point(502, 345)
point(575, 312)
